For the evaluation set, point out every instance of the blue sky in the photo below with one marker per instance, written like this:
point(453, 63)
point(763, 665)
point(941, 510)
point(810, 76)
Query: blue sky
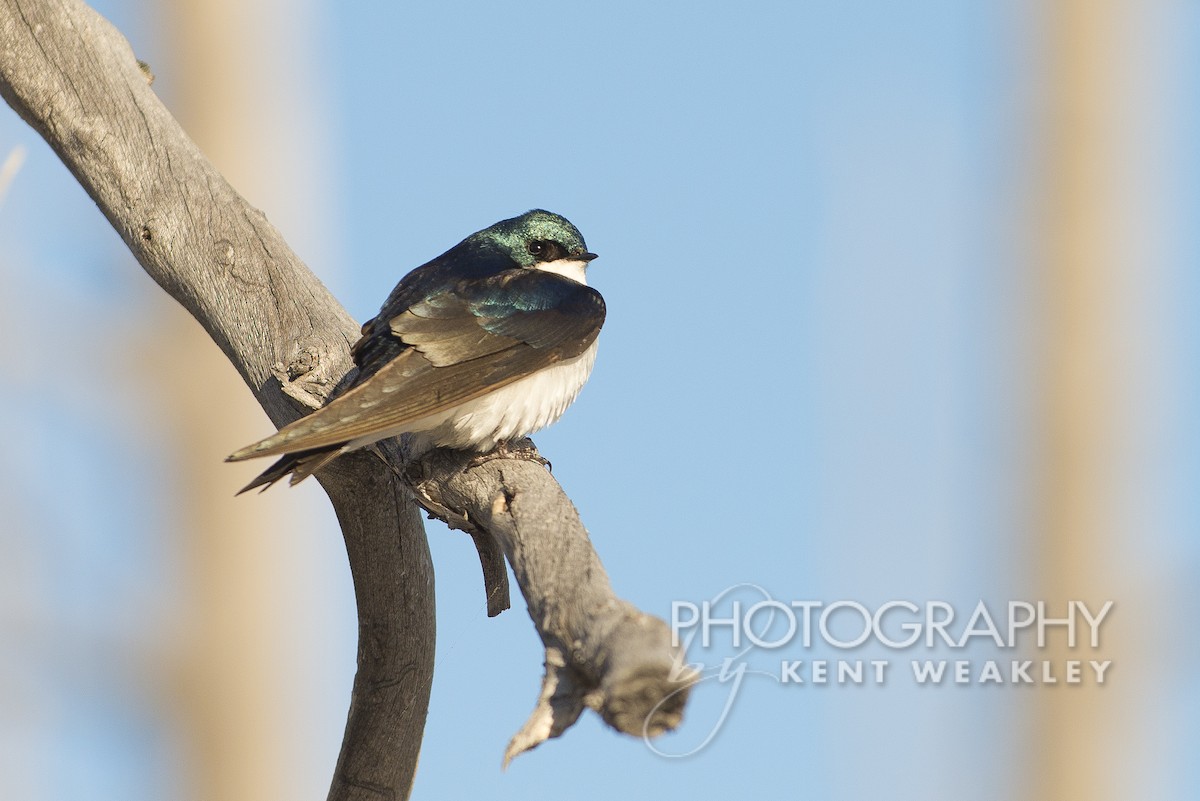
point(817, 229)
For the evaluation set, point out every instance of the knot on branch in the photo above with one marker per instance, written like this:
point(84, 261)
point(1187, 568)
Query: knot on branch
point(306, 377)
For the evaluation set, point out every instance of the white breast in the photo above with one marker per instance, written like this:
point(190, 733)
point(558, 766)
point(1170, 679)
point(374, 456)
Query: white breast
point(509, 413)
point(574, 269)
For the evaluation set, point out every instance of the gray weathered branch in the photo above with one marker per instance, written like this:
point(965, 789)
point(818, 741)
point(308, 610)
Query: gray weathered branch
point(73, 77)
point(601, 652)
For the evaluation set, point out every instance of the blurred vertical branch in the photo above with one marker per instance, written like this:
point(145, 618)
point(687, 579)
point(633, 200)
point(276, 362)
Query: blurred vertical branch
point(1081, 231)
point(233, 683)
point(9, 169)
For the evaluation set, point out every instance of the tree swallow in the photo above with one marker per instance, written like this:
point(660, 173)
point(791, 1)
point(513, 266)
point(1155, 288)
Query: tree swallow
point(485, 344)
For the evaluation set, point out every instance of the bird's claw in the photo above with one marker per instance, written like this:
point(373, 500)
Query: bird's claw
point(507, 450)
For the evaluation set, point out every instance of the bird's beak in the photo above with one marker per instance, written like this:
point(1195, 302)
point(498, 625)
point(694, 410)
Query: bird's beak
point(587, 256)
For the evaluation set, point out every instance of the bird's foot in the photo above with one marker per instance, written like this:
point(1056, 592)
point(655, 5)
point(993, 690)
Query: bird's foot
point(523, 449)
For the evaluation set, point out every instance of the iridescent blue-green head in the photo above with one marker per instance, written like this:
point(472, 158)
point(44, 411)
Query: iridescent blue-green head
point(540, 240)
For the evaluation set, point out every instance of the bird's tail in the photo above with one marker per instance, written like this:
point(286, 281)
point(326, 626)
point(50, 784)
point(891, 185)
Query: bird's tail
point(301, 465)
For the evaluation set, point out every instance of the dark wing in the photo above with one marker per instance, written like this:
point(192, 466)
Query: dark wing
point(450, 347)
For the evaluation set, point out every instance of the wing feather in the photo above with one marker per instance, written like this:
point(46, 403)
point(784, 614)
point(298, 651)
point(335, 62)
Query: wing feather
point(458, 345)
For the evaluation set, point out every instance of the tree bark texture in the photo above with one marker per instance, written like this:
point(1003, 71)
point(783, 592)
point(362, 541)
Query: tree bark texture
point(75, 80)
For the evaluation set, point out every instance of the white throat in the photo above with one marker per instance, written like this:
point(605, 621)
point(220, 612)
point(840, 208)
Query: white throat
point(575, 269)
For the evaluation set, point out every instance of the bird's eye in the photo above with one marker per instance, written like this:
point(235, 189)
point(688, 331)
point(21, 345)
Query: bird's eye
point(546, 250)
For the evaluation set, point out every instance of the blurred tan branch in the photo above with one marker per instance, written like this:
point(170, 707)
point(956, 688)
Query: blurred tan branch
point(8, 171)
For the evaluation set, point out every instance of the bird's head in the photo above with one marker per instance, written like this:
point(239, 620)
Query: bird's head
point(541, 240)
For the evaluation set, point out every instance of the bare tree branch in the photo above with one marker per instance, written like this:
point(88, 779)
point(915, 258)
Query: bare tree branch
point(73, 77)
point(601, 652)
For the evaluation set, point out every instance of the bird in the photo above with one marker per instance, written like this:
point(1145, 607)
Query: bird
point(483, 345)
